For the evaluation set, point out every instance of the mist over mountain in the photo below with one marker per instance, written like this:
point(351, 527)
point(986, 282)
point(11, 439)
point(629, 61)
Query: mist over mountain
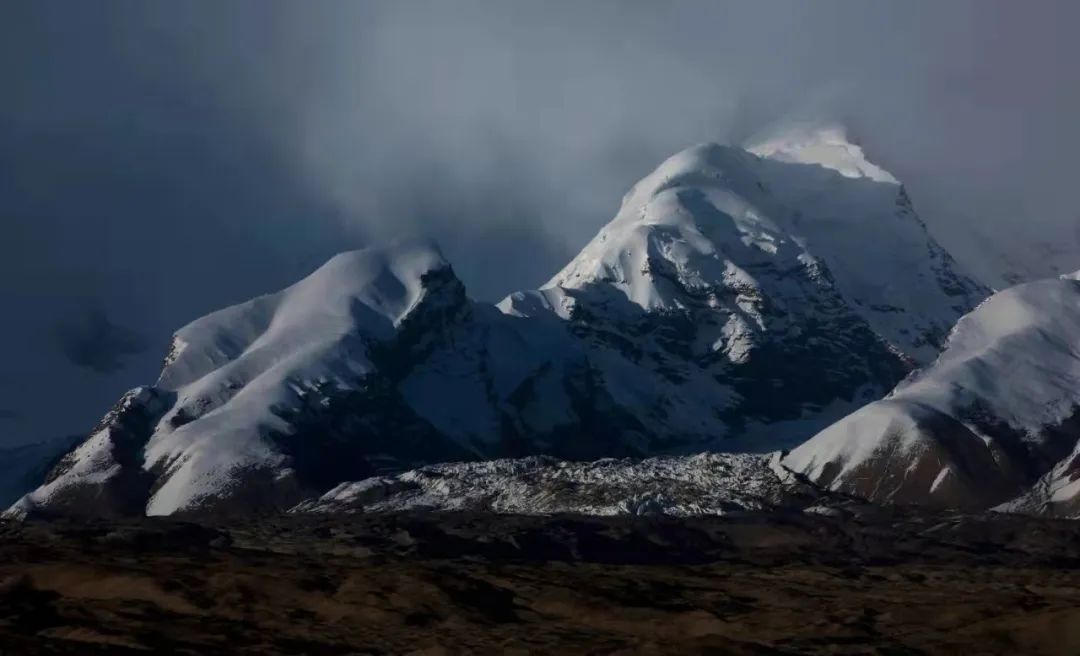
point(162, 161)
point(736, 302)
point(573, 326)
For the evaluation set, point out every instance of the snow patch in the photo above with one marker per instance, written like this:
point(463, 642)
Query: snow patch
point(826, 146)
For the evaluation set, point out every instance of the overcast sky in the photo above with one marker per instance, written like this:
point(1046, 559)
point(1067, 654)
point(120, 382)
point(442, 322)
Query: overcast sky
point(161, 160)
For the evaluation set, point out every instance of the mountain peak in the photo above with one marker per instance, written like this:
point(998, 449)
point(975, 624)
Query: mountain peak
point(826, 145)
point(734, 302)
point(372, 288)
point(716, 220)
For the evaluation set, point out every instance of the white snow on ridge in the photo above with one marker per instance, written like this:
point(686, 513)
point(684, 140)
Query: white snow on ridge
point(715, 216)
point(373, 289)
point(235, 366)
point(826, 146)
point(94, 462)
point(1018, 353)
point(734, 302)
point(1007, 380)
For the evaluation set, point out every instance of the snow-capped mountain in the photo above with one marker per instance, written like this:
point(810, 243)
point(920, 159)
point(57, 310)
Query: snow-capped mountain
point(995, 417)
point(703, 484)
point(377, 360)
point(736, 302)
point(757, 291)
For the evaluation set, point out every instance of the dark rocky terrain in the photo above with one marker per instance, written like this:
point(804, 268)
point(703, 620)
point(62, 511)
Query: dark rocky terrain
point(861, 580)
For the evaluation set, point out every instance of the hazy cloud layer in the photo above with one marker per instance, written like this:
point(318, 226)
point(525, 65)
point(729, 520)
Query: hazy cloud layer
point(92, 341)
point(161, 160)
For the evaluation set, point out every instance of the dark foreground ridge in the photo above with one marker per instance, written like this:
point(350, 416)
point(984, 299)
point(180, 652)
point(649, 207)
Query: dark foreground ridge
point(862, 580)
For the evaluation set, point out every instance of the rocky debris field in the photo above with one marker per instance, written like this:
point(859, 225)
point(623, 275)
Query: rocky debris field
point(854, 580)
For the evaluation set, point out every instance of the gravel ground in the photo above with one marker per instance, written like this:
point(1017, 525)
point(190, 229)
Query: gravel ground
point(861, 580)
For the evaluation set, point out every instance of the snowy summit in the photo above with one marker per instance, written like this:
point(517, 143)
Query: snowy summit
point(826, 146)
point(738, 301)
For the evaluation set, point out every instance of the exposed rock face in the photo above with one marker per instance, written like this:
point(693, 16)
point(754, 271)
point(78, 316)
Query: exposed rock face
point(736, 302)
point(103, 476)
point(749, 301)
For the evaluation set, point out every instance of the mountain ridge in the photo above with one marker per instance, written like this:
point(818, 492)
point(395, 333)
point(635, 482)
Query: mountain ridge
point(991, 422)
point(723, 308)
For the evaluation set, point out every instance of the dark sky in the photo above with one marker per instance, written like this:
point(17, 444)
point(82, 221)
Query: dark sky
point(160, 160)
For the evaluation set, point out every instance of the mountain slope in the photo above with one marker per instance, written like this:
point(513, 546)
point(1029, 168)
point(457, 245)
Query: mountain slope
point(214, 424)
point(376, 361)
point(756, 291)
point(735, 303)
point(239, 374)
point(979, 426)
point(717, 215)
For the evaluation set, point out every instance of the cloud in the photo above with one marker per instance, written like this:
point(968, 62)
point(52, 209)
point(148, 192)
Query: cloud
point(557, 108)
point(91, 341)
point(163, 160)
